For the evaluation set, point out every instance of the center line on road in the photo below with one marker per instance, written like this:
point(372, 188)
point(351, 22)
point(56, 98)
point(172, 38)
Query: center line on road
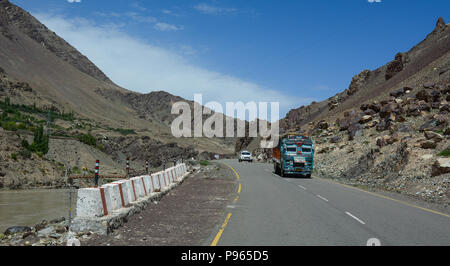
point(322, 198)
point(302, 187)
point(354, 217)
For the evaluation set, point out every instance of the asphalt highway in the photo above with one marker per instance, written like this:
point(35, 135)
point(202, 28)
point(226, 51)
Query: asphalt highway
point(271, 210)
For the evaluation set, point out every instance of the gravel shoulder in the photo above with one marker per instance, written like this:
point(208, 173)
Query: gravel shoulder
point(186, 216)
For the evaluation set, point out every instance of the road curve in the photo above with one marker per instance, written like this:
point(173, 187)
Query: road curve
point(278, 211)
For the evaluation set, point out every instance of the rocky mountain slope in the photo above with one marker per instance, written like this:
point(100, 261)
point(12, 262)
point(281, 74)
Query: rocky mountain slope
point(44, 81)
point(390, 128)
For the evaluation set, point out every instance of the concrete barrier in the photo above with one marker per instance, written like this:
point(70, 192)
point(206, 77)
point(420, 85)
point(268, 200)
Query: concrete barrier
point(124, 192)
point(98, 208)
point(91, 203)
point(112, 196)
point(139, 188)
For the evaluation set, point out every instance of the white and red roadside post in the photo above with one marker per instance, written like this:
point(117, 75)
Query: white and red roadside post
point(128, 167)
point(146, 166)
point(97, 168)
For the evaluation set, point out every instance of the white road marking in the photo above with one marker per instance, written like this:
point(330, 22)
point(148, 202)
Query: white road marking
point(322, 198)
point(354, 217)
point(300, 186)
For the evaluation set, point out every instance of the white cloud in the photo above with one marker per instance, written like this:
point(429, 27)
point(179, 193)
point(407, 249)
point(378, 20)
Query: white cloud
point(209, 9)
point(161, 26)
point(139, 66)
point(74, 1)
point(374, 1)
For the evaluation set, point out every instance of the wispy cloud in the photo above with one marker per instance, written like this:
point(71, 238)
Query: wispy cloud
point(137, 17)
point(74, 1)
point(138, 6)
point(213, 10)
point(140, 66)
point(161, 26)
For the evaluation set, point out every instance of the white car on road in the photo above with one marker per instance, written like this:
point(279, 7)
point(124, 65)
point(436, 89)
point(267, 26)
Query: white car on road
point(245, 156)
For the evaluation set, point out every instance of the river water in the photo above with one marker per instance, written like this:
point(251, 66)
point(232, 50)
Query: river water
point(30, 207)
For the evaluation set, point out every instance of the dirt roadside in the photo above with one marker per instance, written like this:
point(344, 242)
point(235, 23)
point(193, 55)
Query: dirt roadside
point(186, 216)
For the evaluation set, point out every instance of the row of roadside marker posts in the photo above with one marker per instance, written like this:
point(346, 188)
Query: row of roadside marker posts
point(101, 201)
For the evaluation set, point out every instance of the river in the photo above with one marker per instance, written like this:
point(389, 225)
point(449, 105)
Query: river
point(30, 207)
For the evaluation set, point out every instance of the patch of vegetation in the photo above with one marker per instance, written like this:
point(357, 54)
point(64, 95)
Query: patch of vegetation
point(52, 113)
point(445, 153)
point(88, 139)
point(76, 170)
point(26, 154)
point(40, 142)
point(14, 156)
point(204, 163)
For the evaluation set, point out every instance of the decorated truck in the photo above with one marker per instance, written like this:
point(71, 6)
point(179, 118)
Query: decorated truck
point(294, 155)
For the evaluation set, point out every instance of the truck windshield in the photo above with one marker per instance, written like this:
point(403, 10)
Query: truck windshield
point(292, 149)
point(245, 153)
point(306, 149)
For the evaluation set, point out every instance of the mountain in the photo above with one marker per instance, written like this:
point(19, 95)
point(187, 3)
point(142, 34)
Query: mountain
point(427, 62)
point(42, 76)
point(390, 129)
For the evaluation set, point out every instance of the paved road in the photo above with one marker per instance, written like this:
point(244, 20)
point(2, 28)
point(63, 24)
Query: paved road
point(272, 210)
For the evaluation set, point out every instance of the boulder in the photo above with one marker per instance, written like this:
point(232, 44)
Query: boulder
point(397, 93)
point(335, 139)
point(381, 141)
point(444, 109)
point(383, 125)
point(413, 110)
point(404, 128)
point(428, 144)
point(46, 232)
point(436, 137)
point(374, 106)
point(441, 166)
point(387, 140)
point(322, 124)
point(17, 229)
point(423, 95)
point(429, 85)
point(389, 108)
point(365, 119)
point(424, 106)
point(432, 125)
point(370, 112)
point(58, 220)
point(354, 131)
point(435, 95)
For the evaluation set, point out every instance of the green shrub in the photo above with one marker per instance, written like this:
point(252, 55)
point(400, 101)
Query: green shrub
point(204, 163)
point(26, 154)
point(14, 156)
point(40, 142)
point(88, 139)
point(445, 153)
point(25, 144)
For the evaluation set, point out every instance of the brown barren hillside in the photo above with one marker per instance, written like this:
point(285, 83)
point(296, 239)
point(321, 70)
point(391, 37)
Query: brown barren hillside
point(42, 76)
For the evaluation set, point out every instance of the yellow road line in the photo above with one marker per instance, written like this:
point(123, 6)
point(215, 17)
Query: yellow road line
point(219, 234)
point(385, 197)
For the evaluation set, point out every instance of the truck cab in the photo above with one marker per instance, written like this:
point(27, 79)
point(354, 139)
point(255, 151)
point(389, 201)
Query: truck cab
point(294, 155)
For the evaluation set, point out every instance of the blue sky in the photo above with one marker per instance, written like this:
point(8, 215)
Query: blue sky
point(291, 51)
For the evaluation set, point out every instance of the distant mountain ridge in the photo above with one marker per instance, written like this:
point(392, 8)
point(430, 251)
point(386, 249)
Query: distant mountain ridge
point(12, 16)
point(428, 61)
